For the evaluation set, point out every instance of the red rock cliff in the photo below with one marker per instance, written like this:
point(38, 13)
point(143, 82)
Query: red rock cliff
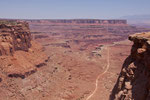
point(134, 80)
point(14, 37)
point(19, 56)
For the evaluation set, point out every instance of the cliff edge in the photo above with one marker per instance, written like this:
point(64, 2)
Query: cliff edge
point(134, 80)
point(19, 55)
point(14, 37)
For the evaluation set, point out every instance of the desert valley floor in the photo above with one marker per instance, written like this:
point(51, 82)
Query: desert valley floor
point(83, 61)
point(79, 57)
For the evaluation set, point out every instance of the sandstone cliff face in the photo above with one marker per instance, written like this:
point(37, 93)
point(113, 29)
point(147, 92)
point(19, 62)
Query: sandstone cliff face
point(14, 37)
point(19, 56)
point(134, 80)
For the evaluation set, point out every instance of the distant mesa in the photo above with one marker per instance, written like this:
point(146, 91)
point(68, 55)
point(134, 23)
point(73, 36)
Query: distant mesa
point(81, 21)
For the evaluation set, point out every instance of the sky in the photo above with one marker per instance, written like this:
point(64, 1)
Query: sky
point(72, 9)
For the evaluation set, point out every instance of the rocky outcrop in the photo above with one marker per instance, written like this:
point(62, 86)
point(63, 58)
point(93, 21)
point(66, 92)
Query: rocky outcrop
point(14, 37)
point(19, 55)
point(134, 80)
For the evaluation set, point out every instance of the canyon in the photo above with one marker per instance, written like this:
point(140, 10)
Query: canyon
point(74, 59)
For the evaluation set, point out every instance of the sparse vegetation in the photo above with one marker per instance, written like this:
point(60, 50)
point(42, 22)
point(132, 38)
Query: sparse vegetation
point(8, 22)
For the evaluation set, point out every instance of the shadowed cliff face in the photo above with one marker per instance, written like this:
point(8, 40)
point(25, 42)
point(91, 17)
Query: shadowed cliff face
point(134, 80)
point(14, 37)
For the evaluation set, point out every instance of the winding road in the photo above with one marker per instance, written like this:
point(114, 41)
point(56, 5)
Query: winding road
point(97, 79)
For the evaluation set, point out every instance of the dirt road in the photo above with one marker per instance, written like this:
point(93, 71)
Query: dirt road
point(101, 74)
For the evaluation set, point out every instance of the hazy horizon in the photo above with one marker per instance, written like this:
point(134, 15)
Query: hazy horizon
point(72, 9)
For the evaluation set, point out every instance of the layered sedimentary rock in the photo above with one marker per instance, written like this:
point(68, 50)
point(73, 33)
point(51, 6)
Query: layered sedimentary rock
point(134, 80)
point(81, 21)
point(83, 35)
point(14, 37)
point(18, 54)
